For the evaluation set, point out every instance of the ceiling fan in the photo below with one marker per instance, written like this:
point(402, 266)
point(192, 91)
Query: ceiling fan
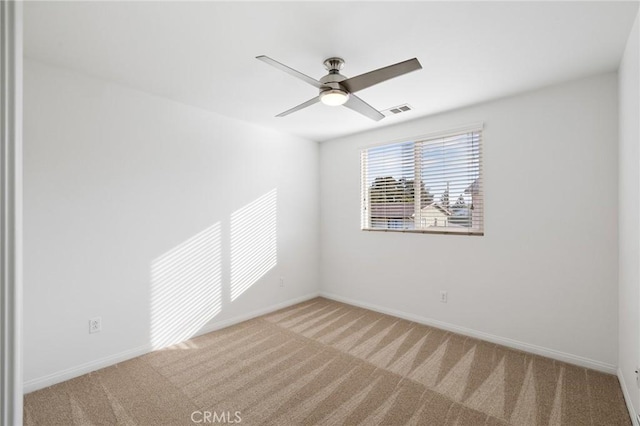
point(336, 89)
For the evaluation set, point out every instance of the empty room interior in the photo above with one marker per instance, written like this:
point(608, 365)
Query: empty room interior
point(332, 213)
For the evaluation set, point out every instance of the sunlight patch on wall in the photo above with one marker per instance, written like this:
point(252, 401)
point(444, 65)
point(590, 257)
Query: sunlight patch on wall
point(253, 242)
point(186, 288)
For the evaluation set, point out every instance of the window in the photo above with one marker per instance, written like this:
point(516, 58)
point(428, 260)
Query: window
point(431, 185)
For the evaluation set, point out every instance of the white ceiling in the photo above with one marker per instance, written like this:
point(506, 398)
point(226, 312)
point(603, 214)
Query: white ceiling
point(203, 53)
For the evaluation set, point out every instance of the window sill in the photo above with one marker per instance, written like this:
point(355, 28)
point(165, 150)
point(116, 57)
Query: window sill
point(425, 231)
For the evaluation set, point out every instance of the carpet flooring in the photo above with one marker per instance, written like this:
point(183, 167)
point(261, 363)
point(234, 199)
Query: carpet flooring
point(326, 363)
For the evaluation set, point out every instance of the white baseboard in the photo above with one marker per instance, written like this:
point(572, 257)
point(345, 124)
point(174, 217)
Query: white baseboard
point(70, 373)
point(253, 314)
point(526, 347)
point(627, 399)
point(88, 367)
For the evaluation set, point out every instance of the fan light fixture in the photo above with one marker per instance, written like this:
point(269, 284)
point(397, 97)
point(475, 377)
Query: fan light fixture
point(334, 97)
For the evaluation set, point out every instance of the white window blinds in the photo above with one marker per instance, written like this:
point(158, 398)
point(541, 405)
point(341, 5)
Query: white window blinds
point(433, 184)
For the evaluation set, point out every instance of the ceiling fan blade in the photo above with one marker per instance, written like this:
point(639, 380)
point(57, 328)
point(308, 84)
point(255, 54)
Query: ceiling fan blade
point(290, 71)
point(358, 105)
point(299, 107)
point(368, 79)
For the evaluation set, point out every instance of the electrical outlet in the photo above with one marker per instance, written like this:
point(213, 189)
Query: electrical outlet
point(95, 325)
point(443, 296)
point(281, 281)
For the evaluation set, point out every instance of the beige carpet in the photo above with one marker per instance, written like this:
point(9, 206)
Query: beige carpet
point(323, 362)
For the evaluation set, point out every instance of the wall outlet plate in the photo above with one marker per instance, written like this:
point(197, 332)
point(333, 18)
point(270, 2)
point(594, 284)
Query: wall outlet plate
point(95, 325)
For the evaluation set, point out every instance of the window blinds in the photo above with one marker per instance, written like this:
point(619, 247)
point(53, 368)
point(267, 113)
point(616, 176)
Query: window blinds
point(433, 184)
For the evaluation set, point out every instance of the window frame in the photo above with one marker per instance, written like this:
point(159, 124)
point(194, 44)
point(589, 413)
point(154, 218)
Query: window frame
point(420, 141)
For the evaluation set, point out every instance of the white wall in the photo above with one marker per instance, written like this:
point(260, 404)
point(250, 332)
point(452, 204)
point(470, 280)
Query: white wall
point(116, 183)
point(628, 216)
point(544, 273)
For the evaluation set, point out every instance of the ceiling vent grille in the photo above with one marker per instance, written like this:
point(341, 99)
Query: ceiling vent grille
point(397, 110)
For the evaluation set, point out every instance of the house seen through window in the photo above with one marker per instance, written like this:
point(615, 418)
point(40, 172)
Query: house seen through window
point(432, 184)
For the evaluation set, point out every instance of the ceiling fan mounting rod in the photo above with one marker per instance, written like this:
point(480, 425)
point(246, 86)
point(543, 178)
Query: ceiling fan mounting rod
point(333, 65)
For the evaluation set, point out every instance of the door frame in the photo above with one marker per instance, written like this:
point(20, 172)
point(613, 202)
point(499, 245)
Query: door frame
point(11, 391)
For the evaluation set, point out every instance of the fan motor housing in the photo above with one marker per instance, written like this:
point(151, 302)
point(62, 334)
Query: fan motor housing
point(332, 82)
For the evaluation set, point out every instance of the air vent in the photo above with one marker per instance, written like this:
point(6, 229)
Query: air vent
point(397, 110)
